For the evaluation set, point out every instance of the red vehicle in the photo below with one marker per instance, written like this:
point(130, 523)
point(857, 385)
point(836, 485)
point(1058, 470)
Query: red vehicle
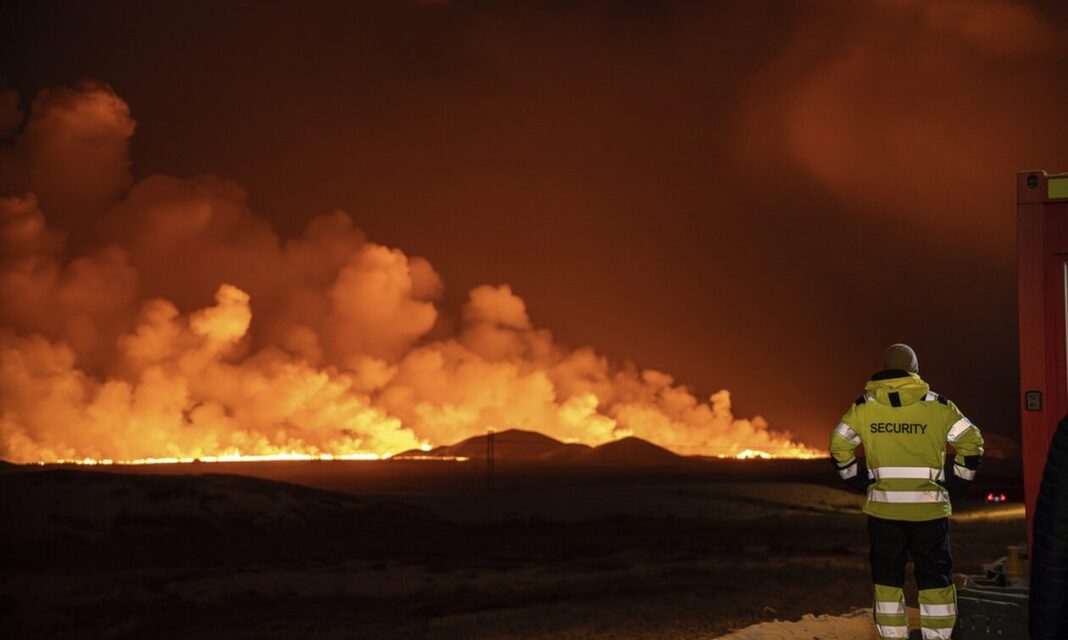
point(1042, 218)
point(1042, 224)
point(1004, 607)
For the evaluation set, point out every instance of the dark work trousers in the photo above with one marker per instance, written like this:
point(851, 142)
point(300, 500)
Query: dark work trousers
point(893, 542)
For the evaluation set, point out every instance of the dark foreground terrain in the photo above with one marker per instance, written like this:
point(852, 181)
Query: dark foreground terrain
point(422, 549)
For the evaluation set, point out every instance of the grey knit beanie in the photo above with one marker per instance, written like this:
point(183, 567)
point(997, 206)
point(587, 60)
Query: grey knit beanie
point(900, 356)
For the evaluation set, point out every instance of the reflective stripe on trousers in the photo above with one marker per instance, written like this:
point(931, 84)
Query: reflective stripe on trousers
point(889, 612)
point(887, 631)
point(938, 612)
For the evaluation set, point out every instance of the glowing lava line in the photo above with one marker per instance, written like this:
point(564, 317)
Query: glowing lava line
point(236, 457)
point(756, 454)
point(748, 454)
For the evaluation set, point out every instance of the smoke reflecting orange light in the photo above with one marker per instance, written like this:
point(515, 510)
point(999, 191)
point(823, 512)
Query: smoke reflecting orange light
point(326, 346)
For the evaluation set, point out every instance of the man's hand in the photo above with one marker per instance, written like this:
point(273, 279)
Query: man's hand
point(855, 475)
point(860, 483)
point(961, 476)
point(957, 488)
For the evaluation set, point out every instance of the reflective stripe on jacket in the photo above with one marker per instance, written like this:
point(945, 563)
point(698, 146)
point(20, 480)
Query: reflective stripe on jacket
point(904, 428)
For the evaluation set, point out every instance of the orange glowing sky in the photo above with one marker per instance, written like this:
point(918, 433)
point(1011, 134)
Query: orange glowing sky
point(744, 195)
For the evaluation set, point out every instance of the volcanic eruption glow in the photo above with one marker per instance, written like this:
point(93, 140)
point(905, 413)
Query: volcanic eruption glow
point(231, 457)
point(753, 454)
point(163, 321)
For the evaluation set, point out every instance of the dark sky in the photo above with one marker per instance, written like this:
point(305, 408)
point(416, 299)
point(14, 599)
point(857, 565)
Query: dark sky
point(751, 195)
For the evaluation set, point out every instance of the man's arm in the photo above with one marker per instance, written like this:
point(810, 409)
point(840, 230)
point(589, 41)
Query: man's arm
point(844, 443)
point(968, 442)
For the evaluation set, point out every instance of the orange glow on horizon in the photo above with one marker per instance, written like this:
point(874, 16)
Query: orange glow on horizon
point(794, 453)
point(234, 457)
point(278, 457)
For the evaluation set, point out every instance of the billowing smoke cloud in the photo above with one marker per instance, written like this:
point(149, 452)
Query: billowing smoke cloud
point(165, 319)
point(73, 154)
point(905, 109)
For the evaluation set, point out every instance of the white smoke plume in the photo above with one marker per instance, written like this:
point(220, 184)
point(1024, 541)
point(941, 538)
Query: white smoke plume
point(164, 319)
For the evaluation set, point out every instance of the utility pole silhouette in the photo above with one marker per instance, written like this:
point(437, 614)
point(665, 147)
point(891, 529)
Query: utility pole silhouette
point(489, 460)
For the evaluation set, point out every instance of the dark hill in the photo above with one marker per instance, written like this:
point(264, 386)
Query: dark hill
point(635, 452)
point(516, 445)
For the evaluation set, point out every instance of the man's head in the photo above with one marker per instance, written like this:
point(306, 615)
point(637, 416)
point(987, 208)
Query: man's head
point(900, 356)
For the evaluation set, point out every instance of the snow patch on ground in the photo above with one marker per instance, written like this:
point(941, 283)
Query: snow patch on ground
point(851, 626)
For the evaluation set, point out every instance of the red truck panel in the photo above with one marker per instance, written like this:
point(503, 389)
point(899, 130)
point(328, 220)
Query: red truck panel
point(1042, 219)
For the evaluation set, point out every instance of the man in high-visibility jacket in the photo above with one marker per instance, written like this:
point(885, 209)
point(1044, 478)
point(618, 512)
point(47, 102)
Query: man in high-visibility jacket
point(904, 428)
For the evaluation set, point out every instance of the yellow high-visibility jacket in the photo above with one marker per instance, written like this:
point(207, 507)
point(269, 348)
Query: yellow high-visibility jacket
point(904, 428)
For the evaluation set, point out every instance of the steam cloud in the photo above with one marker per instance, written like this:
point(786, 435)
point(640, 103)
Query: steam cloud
point(905, 107)
point(165, 319)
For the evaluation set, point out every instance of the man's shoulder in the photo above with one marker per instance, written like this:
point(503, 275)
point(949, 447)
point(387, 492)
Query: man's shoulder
point(936, 397)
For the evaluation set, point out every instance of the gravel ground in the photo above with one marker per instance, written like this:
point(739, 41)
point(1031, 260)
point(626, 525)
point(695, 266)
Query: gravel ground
point(195, 558)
